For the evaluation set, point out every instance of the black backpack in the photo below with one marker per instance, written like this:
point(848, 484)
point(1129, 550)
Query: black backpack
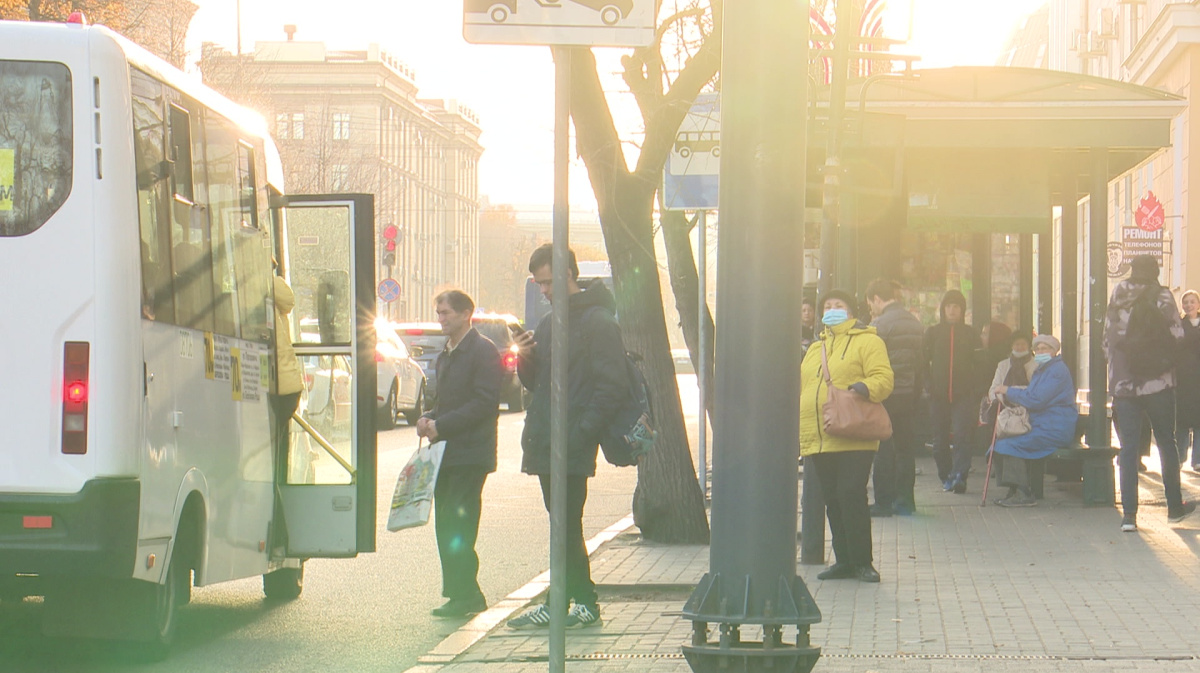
point(1148, 344)
point(630, 435)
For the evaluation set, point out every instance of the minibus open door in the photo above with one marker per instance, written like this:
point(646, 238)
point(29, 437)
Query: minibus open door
point(327, 485)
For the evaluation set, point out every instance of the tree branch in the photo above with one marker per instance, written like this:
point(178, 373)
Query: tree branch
point(663, 122)
point(596, 137)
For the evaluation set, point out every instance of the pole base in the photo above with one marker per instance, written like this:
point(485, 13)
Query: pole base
point(751, 658)
point(738, 604)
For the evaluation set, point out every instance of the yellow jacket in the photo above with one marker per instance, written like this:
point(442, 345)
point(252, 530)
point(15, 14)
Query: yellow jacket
point(856, 354)
point(287, 367)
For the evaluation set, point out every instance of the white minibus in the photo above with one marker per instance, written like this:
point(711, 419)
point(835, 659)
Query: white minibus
point(140, 216)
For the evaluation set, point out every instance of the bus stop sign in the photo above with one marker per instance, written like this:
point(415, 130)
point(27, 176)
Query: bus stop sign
point(691, 179)
point(586, 23)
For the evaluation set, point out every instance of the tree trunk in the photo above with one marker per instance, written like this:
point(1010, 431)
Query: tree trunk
point(668, 505)
point(685, 285)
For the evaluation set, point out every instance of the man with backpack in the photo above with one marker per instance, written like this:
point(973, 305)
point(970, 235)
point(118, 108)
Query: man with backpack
point(598, 387)
point(1141, 332)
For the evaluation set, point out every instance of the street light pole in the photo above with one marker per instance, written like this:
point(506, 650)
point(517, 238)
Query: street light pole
point(751, 585)
point(238, 9)
point(831, 195)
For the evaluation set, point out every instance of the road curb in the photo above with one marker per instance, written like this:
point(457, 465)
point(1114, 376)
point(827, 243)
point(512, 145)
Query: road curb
point(477, 629)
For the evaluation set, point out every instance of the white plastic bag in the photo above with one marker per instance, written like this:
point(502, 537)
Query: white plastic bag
point(413, 499)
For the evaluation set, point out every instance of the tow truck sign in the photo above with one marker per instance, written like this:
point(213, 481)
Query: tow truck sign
point(589, 23)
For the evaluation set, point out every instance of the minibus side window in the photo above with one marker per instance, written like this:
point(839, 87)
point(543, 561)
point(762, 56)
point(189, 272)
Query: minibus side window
point(191, 246)
point(153, 206)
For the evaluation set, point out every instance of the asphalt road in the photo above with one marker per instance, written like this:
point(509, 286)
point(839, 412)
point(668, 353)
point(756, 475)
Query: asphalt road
point(365, 614)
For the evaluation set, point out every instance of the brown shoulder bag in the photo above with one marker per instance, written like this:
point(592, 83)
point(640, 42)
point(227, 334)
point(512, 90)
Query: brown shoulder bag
point(851, 416)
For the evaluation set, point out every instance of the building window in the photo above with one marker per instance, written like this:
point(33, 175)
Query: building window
point(281, 126)
point(339, 175)
point(341, 126)
point(298, 125)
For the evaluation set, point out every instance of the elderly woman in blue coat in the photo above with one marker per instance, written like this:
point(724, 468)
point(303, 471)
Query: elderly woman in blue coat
point(1050, 399)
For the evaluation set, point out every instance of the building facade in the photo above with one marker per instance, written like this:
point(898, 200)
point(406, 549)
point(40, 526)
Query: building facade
point(1154, 43)
point(352, 121)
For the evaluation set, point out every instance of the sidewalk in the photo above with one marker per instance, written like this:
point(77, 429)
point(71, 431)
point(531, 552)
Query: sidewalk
point(1053, 588)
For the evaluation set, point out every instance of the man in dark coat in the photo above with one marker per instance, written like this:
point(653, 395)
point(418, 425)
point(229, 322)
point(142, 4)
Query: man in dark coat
point(1137, 393)
point(465, 415)
point(954, 390)
point(895, 462)
point(597, 385)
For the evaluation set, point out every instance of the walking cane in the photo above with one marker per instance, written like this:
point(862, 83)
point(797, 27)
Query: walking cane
point(987, 479)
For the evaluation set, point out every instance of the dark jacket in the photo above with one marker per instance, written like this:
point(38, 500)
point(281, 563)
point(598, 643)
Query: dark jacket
point(950, 355)
point(596, 382)
point(903, 335)
point(1121, 381)
point(468, 402)
point(1187, 375)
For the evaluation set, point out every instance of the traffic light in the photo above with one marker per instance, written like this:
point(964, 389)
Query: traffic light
point(389, 244)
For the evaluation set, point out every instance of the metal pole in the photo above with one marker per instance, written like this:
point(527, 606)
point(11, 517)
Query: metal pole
point(702, 360)
point(751, 586)
point(831, 190)
point(1070, 275)
point(239, 27)
point(558, 364)
point(1099, 429)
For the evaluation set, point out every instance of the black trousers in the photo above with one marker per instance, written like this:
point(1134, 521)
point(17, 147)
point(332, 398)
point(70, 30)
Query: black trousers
point(843, 476)
point(953, 425)
point(580, 587)
point(281, 408)
point(1014, 473)
point(896, 462)
point(457, 503)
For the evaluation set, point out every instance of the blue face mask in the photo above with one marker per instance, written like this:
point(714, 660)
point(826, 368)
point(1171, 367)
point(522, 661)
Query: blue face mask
point(1042, 358)
point(835, 316)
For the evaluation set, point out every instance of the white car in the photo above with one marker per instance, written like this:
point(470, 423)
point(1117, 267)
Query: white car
point(402, 384)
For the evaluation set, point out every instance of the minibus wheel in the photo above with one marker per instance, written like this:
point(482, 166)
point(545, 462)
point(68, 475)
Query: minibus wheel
point(161, 615)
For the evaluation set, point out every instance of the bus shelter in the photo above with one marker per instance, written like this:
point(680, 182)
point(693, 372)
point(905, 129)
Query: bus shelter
point(994, 181)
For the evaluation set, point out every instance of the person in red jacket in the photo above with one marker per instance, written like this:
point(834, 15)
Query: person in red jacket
point(954, 392)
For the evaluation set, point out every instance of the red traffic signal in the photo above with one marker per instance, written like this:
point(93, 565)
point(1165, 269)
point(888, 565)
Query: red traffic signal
point(389, 237)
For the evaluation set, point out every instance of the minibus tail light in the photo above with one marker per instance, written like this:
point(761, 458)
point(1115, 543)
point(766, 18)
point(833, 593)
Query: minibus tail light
point(76, 355)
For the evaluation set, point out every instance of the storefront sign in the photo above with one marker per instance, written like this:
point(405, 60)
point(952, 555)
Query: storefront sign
point(1147, 237)
point(1138, 242)
point(1150, 215)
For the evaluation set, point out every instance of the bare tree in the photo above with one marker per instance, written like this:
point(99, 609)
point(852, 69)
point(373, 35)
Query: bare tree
point(668, 505)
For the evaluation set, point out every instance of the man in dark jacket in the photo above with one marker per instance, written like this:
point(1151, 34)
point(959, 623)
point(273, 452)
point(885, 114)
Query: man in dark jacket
point(464, 416)
point(954, 390)
point(1137, 392)
point(596, 387)
point(895, 462)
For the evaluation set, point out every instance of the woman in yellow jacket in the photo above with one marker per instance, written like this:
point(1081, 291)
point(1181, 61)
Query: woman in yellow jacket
point(288, 379)
point(858, 361)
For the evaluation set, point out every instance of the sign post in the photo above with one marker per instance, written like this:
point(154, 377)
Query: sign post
point(560, 24)
point(691, 181)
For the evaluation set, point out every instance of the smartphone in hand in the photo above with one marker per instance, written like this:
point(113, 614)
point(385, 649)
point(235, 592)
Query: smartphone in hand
point(516, 329)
